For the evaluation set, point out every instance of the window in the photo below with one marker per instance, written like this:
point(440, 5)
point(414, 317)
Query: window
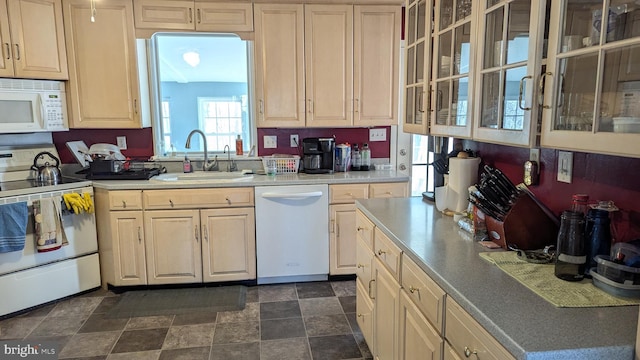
point(200, 81)
point(425, 174)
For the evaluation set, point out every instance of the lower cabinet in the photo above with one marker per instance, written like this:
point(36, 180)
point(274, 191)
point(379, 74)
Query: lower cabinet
point(386, 295)
point(364, 311)
point(417, 338)
point(139, 246)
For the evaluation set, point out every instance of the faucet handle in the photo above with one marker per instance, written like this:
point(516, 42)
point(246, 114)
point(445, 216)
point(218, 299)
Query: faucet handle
point(234, 166)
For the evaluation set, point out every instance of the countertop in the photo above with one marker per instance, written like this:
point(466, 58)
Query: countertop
point(524, 323)
point(261, 180)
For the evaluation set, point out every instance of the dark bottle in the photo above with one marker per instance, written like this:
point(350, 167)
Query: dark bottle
point(598, 235)
point(571, 256)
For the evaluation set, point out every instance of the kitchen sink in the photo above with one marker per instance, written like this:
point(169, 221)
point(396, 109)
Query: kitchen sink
point(202, 177)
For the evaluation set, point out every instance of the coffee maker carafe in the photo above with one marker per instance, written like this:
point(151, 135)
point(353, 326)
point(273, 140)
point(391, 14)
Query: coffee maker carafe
point(318, 155)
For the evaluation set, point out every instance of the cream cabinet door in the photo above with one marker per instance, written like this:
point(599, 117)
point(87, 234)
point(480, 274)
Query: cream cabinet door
point(229, 244)
point(6, 64)
point(364, 313)
point(172, 242)
point(387, 292)
point(279, 61)
point(164, 14)
point(376, 44)
point(103, 75)
point(342, 245)
point(417, 339)
point(37, 34)
point(224, 16)
point(329, 65)
point(128, 248)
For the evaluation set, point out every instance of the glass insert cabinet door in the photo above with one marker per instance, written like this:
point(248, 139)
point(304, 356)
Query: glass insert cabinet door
point(592, 90)
point(508, 71)
point(451, 100)
point(417, 64)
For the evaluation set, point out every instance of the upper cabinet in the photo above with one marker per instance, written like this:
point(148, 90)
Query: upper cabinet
point(508, 71)
point(103, 69)
point(193, 15)
point(32, 40)
point(439, 57)
point(326, 65)
point(454, 36)
point(592, 84)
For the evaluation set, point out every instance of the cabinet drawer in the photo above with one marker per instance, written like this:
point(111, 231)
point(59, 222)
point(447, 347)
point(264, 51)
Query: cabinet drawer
point(364, 258)
point(463, 332)
point(228, 16)
point(424, 292)
point(388, 252)
point(364, 229)
point(198, 198)
point(125, 200)
point(388, 190)
point(364, 312)
point(347, 193)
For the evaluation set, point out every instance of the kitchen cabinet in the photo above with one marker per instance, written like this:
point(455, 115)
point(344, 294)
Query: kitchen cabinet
point(591, 90)
point(416, 337)
point(120, 228)
point(466, 337)
point(172, 245)
point(176, 235)
point(364, 310)
point(104, 89)
point(32, 40)
point(162, 15)
point(508, 72)
point(305, 65)
point(342, 211)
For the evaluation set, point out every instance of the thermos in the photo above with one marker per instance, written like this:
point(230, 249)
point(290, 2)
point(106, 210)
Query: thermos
point(571, 254)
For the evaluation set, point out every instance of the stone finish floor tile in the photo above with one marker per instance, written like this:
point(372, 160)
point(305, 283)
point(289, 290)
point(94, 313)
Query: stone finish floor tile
point(285, 349)
point(296, 321)
point(240, 351)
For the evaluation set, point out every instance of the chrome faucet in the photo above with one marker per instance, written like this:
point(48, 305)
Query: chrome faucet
point(231, 164)
point(205, 165)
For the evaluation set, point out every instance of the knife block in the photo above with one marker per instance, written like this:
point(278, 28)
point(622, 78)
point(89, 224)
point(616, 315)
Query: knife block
point(526, 226)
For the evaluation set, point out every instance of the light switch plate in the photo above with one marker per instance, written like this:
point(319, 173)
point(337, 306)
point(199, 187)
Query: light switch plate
point(534, 155)
point(122, 142)
point(377, 135)
point(270, 141)
point(293, 140)
point(565, 166)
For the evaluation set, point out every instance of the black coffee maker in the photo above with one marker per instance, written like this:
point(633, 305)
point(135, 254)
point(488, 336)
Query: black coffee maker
point(318, 155)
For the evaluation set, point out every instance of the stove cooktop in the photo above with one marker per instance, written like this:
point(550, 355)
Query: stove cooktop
point(30, 183)
point(138, 174)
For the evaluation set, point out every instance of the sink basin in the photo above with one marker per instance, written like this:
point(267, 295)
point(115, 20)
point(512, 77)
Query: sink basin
point(202, 177)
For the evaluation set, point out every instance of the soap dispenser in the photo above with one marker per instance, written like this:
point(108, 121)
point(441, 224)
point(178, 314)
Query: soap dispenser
point(186, 164)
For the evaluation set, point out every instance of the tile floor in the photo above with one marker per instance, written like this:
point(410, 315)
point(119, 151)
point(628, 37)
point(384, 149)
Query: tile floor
point(284, 321)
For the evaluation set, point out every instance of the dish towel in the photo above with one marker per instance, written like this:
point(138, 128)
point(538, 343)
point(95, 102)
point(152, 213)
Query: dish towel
point(48, 225)
point(13, 226)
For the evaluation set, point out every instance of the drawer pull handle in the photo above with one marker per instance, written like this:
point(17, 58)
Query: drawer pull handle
point(360, 315)
point(124, 204)
point(380, 252)
point(369, 292)
point(413, 290)
point(359, 228)
point(468, 352)
point(228, 200)
point(206, 233)
point(171, 202)
point(139, 235)
point(195, 232)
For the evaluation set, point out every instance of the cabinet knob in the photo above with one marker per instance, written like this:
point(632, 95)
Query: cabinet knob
point(468, 352)
point(124, 204)
point(171, 202)
point(413, 290)
point(359, 228)
point(360, 315)
point(380, 252)
point(228, 200)
point(360, 266)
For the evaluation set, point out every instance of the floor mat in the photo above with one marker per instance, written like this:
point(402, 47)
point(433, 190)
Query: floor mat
point(179, 301)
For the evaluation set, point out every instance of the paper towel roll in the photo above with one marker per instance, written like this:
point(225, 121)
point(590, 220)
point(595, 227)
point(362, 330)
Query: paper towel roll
point(463, 172)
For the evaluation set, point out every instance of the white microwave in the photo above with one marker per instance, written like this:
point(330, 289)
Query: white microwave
point(32, 106)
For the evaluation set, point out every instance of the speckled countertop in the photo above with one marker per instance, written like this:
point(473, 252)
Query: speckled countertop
point(260, 180)
point(525, 324)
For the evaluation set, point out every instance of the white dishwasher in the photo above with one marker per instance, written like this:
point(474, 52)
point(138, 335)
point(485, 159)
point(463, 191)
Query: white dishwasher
point(292, 233)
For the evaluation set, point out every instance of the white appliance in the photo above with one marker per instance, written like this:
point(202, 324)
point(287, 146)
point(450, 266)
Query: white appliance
point(28, 277)
point(292, 233)
point(32, 106)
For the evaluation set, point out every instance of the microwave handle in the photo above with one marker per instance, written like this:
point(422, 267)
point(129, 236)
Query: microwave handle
point(42, 112)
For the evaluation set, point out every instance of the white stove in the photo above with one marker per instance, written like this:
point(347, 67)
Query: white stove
point(29, 278)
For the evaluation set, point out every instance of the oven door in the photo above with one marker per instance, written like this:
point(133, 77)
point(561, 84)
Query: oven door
point(22, 111)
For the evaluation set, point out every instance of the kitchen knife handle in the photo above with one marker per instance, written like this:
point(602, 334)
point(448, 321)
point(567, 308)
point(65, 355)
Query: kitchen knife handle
point(521, 91)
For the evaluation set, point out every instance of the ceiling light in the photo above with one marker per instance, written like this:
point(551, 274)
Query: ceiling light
point(192, 58)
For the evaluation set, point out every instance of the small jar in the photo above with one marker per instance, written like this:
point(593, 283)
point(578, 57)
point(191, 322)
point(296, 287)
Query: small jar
point(579, 203)
point(571, 256)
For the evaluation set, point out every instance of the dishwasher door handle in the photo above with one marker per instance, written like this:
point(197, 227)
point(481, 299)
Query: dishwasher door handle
point(301, 195)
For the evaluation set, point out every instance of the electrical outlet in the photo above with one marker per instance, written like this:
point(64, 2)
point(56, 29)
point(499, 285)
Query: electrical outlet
point(270, 141)
point(534, 155)
point(565, 166)
point(377, 135)
point(293, 140)
point(122, 142)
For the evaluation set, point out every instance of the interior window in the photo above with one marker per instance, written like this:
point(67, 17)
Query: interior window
point(428, 159)
point(200, 81)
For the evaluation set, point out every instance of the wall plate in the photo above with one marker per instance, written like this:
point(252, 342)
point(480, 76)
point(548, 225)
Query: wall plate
point(270, 141)
point(565, 166)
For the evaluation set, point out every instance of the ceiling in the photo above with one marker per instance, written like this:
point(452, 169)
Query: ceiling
point(222, 58)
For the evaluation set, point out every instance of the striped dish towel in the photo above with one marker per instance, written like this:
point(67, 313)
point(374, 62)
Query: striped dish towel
point(13, 226)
